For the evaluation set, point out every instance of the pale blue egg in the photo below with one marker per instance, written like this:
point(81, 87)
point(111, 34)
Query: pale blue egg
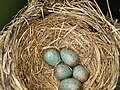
point(70, 84)
point(80, 73)
point(52, 57)
point(63, 71)
point(69, 56)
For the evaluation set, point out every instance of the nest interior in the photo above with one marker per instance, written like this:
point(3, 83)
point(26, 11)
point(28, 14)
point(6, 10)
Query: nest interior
point(80, 26)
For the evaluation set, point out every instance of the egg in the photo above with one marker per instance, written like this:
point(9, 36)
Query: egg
point(63, 71)
point(80, 73)
point(52, 56)
point(69, 57)
point(70, 84)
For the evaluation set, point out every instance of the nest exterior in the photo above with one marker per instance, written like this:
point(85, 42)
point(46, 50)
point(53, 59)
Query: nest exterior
point(79, 25)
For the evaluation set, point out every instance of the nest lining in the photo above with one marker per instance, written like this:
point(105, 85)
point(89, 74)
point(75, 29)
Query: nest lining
point(74, 25)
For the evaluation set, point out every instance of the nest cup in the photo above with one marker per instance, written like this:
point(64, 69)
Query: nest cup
point(78, 25)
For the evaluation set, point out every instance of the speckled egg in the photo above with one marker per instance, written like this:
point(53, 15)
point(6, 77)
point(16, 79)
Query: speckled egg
point(80, 73)
point(70, 84)
point(52, 57)
point(63, 71)
point(69, 57)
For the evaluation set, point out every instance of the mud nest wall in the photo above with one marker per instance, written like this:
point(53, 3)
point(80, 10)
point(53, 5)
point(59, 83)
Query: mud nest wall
point(79, 25)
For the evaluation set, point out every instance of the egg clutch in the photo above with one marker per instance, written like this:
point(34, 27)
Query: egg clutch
point(67, 68)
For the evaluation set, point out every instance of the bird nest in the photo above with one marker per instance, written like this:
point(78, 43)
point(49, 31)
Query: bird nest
point(79, 25)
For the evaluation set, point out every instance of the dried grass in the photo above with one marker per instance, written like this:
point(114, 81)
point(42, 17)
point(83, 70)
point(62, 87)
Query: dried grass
point(77, 25)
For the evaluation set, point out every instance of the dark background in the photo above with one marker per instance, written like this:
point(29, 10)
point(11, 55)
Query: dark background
point(114, 6)
point(8, 8)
